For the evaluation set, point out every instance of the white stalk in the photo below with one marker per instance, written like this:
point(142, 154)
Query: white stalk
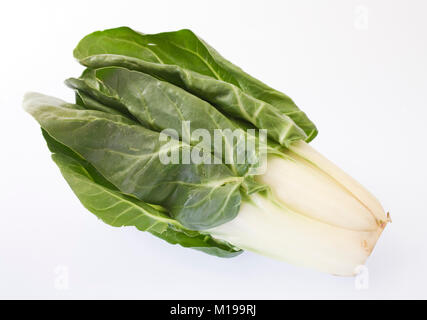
point(307, 152)
point(316, 215)
point(272, 230)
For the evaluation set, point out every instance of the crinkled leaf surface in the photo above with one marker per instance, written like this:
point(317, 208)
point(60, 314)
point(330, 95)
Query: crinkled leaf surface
point(116, 209)
point(199, 196)
point(159, 105)
point(184, 59)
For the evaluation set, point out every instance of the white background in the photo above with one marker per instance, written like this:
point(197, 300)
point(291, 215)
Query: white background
point(358, 68)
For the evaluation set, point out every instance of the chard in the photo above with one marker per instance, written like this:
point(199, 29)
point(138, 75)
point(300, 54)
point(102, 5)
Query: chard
point(108, 146)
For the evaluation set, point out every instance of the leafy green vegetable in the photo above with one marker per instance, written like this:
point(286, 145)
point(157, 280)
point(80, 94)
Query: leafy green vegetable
point(126, 154)
point(141, 95)
point(183, 59)
point(117, 209)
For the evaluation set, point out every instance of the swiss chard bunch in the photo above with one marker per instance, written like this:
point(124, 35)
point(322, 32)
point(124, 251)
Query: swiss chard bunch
point(168, 136)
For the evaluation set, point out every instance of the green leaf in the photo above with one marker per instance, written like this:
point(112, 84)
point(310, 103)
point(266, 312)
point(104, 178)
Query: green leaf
point(57, 147)
point(72, 165)
point(159, 105)
point(185, 60)
point(199, 196)
point(92, 104)
point(119, 210)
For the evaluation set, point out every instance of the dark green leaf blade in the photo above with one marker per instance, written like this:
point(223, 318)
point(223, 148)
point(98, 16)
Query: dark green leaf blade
point(119, 210)
point(199, 196)
point(185, 60)
point(159, 105)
